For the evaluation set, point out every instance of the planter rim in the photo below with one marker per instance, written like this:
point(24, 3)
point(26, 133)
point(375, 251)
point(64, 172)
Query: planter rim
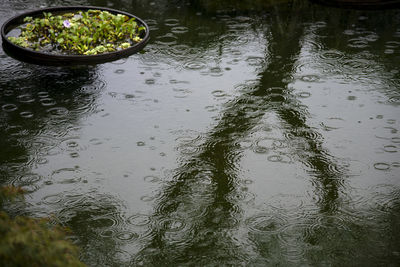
point(42, 58)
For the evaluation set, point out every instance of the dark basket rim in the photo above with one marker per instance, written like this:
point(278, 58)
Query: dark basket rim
point(38, 57)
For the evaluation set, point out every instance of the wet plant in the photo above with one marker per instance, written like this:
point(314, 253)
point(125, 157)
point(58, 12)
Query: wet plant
point(88, 32)
point(33, 241)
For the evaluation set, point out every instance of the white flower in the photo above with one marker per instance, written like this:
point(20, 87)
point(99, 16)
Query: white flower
point(66, 23)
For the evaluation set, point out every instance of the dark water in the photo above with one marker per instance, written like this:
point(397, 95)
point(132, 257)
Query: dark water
point(257, 133)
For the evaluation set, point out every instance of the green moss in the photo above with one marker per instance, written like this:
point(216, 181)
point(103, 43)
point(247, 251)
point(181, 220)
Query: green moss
point(33, 242)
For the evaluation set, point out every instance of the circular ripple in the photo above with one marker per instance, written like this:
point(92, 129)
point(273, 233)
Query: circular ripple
point(147, 198)
point(119, 71)
point(71, 144)
point(171, 224)
point(325, 225)
point(304, 94)
point(57, 112)
point(310, 78)
point(151, 179)
point(358, 43)
point(167, 39)
point(66, 176)
point(392, 44)
point(150, 81)
point(26, 98)
point(255, 61)
point(53, 199)
point(139, 220)
point(107, 233)
point(28, 179)
point(189, 149)
point(396, 140)
point(47, 101)
point(332, 54)
point(43, 94)
point(360, 66)
point(195, 65)
point(390, 148)
point(261, 147)
point(26, 114)
point(244, 144)
point(216, 71)
point(381, 166)
point(180, 50)
point(140, 143)
point(181, 92)
point(265, 223)
point(9, 107)
point(171, 22)
point(275, 158)
point(104, 222)
point(218, 93)
point(309, 134)
point(179, 29)
point(282, 158)
point(125, 236)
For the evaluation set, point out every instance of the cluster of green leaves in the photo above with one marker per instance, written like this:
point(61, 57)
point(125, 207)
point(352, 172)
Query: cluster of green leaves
point(84, 32)
point(35, 242)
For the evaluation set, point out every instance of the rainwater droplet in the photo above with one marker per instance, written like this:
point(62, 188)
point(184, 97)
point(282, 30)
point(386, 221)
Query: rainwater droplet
point(218, 93)
point(57, 112)
point(26, 114)
point(119, 71)
point(265, 223)
point(304, 94)
point(332, 54)
point(179, 30)
point(167, 39)
point(9, 107)
point(390, 148)
point(151, 179)
point(139, 220)
point(127, 236)
point(26, 98)
point(310, 78)
point(358, 43)
point(194, 65)
point(150, 81)
point(53, 199)
point(171, 22)
point(382, 166)
point(47, 101)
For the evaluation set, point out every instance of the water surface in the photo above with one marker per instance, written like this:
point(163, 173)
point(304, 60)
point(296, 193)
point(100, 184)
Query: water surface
point(245, 133)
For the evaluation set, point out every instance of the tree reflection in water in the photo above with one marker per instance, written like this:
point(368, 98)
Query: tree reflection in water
point(200, 211)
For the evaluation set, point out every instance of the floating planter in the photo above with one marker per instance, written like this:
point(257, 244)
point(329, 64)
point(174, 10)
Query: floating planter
point(73, 35)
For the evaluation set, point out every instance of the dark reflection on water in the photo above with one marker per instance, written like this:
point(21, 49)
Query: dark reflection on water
point(42, 103)
point(213, 169)
point(280, 146)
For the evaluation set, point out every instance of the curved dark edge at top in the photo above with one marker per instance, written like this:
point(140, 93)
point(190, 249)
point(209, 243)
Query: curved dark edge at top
point(360, 4)
point(41, 58)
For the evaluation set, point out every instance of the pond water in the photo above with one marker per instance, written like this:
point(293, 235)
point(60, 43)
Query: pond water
point(251, 133)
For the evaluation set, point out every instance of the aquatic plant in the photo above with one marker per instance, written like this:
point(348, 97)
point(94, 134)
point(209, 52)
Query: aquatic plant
point(33, 241)
point(88, 32)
